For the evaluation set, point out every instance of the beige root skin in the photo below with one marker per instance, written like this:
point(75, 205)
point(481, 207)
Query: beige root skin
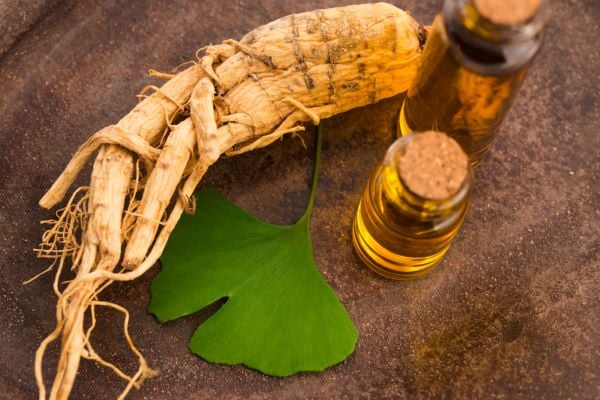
point(146, 120)
point(160, 188)
point(101, 244)
point(241, 96)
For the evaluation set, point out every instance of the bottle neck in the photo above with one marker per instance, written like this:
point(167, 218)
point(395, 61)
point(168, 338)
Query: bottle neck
point(389, 181)
point(486, 47)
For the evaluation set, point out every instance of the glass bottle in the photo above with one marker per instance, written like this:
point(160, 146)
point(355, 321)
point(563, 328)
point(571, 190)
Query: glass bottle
point(475, 59)
point(413, 205)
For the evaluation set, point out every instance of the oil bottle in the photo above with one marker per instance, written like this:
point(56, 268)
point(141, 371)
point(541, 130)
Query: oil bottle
point(413, 205)
point(475, 59)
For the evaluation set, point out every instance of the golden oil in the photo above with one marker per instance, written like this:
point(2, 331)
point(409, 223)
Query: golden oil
point(471, 69)
point(401, 230)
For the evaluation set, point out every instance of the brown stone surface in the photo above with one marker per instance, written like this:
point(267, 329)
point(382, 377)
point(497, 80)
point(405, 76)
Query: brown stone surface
point(512, 312)
point(19, 16)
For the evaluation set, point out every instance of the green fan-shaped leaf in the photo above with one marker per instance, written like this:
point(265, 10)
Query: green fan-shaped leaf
point(280, 316)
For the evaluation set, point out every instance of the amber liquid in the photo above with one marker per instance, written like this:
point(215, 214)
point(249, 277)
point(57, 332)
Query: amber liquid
point(465, 86)
point(397, 239)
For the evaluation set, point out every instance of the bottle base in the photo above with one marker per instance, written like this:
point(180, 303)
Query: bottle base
point(387, 263)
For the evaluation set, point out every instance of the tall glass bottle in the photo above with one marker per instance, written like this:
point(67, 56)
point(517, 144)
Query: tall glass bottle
point(413, 206)
point(475, 59)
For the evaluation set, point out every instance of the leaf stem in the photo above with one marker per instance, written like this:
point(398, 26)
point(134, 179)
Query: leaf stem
point(315, 174)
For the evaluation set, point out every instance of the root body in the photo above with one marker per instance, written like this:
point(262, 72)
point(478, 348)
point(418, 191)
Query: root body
point(239, 97)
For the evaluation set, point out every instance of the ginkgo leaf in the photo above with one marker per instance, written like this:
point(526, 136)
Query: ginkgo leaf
point(280, 316)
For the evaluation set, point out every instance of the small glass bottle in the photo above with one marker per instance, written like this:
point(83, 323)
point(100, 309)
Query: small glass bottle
point(475, 59)
point(413, 205)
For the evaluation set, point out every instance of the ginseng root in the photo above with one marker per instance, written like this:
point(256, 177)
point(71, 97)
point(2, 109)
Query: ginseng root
point(238, 97)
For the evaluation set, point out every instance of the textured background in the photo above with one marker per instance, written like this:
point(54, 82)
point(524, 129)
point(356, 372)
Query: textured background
point(512, 312)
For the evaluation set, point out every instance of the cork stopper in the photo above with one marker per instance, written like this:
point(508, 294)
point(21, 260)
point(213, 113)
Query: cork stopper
point(433, 166)
point(507, 12)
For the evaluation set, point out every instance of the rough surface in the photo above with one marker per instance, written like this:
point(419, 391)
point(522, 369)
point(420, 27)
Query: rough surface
point(17, 17)
point(507, 12)
point(512, 311)
point(433, 166)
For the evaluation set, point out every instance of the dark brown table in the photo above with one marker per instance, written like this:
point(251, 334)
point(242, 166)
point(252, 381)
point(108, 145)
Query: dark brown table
point(512, 312)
